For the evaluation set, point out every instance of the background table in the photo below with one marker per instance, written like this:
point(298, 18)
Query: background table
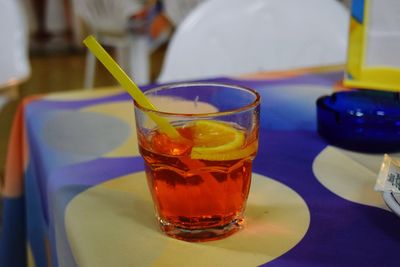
point(75, 191)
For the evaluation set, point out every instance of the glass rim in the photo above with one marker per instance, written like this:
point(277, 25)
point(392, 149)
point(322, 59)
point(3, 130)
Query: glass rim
point(253, 104)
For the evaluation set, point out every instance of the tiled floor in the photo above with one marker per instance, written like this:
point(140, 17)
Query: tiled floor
point(58, 71)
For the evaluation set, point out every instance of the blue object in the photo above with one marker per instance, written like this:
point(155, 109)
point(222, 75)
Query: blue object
point(357, 10)
point(361, 120)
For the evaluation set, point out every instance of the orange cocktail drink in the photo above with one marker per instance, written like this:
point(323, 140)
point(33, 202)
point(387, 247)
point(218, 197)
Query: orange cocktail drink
point(200, 181)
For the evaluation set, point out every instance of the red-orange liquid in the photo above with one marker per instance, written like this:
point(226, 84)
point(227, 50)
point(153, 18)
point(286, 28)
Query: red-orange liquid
point(191, 193)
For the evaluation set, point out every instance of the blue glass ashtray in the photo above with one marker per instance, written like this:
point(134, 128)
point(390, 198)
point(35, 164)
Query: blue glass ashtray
point(361, 120)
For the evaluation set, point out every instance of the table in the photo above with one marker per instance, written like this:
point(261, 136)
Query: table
point(75, 192)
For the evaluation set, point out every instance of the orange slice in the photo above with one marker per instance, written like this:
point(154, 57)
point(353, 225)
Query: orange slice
point(215, 140)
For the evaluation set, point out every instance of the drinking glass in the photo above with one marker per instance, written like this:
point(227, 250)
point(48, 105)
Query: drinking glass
point(200, 180)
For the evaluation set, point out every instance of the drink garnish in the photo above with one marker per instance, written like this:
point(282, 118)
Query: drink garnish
point(215, 140)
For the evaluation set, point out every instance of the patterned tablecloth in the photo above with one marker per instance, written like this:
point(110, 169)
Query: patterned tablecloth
point(75, 192)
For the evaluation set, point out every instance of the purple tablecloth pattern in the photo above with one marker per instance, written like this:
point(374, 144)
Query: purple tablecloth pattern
point(64, 144)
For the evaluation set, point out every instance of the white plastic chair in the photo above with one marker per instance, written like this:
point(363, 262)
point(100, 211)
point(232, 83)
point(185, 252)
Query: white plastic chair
point(14, 60)
point(108, 21)
point(231, 37)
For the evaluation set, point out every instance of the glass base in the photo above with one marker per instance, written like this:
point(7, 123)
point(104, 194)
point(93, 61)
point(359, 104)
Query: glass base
point(201, 235)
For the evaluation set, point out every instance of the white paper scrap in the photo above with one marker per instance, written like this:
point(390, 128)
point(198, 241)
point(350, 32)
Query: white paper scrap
point(389, 176)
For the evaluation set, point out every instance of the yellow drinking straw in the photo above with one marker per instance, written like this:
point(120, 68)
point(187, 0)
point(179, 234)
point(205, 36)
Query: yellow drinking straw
point(128, 85)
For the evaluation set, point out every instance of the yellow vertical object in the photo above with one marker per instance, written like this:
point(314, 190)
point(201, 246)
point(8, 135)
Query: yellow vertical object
point(358, 74)
point(355, 49)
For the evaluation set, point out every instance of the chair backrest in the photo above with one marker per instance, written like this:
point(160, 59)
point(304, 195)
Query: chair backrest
point(110, 16)
point(230, 37)
point(14, 60)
